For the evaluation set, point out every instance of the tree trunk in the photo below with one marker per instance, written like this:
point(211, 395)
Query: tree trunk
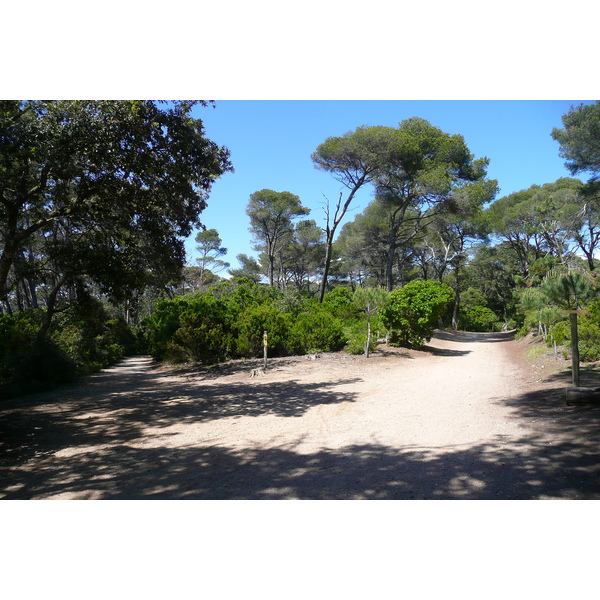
point(271, 273)
point(574, 349)
point(323, 285)
point(340, 211)
point(50, 310)
point(456, 301)
point(389, 278)
point(455, 311)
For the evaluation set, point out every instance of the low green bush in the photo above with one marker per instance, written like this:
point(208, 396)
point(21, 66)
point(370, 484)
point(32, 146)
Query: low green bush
point(479, 318)
point(588, 331)
point(340, 303)
point(358, 342)
point(317, 330)
point(203, 334)
point(413, 311)
point(253, 322)
point(27, 364)
point(559, 333)
point(90, 338)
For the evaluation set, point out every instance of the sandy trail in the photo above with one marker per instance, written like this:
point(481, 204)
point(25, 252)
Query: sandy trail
point(466, 418)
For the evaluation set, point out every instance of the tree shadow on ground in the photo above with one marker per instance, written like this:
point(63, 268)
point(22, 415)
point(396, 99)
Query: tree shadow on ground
point(234, 367)
point(443, 351)
point(121, 412)
point(530, 470)
point(558, 455)
point(472, 336)
point(545, 411)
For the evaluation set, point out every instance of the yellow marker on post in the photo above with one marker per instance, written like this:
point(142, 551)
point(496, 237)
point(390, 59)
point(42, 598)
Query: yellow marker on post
point(265, 344)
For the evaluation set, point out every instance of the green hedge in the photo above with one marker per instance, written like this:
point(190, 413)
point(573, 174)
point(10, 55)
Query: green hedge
point(413, 311)
point(229, 322)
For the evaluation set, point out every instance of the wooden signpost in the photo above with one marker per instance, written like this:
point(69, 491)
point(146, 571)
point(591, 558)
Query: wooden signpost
point(263, 371)
point(265, 346)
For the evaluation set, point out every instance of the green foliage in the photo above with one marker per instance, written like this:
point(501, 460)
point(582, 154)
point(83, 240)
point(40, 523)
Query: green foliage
point(126, 179)
point(253, 322)
point(203, 334)
point(27, 366)
point(292, 302)
point(210, 252)
point(229, 321)
point(250, 268)
point(589, 340)
point(471, 298)
point(479, 318)
point(580, 139)
point(358, 342)
point(90, 338)
point(162, 325)
point(369, 299)
point(568, 290)
point(318, 330)
point(538, 225)
point(413, 310)
point(560, 333)
point(588, 332)
point(82, 340)
point(539, 314)
point(271, 214)
point(340, 303)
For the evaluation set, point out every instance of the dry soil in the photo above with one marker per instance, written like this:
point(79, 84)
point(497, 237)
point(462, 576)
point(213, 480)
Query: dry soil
point(467, 417)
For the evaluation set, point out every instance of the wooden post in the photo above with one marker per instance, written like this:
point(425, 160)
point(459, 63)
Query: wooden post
point(574, 348)
point(265, 347)
point(575, 342)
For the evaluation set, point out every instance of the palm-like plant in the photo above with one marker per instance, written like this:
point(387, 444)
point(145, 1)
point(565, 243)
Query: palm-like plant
point(569, 290)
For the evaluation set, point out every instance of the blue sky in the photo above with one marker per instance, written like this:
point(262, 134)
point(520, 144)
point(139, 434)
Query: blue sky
point(271, 142)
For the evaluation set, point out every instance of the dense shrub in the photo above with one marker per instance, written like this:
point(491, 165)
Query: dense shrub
point(253, 322)
point(413, 311)
point(479, 318)
point(161, 326)
point(190, 328)
point(358, 342)
point(243, 293)
point(589, 339)
point(17, 332)
point(203, 333)
point(230, 320)
point(27, 364)
point(80, 340)
point(340, 303)
point(90, 338)
point(317, 330)
point(588, 331)
point(293, 302)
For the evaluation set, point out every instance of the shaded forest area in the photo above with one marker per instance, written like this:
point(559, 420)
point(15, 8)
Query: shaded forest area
point(97, 198)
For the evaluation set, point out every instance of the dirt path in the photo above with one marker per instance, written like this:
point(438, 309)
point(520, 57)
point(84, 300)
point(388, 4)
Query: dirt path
point(465, 418)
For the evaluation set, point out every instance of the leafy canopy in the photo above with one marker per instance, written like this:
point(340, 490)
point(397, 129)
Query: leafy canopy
point(579, 139)
point(107, 189)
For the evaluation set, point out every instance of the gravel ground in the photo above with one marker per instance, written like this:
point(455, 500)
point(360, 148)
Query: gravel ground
point(467, 417)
